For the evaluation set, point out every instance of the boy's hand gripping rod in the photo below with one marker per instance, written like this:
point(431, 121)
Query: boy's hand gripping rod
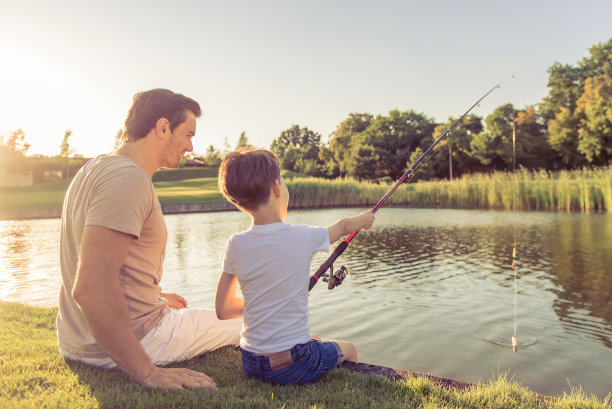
point(328, 264)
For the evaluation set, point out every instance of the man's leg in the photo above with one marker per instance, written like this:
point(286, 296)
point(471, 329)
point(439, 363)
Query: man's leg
point(105, 363)
point(185, 333)
point(180, 335)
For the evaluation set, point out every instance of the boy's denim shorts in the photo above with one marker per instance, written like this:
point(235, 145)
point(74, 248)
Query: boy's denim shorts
point(311, 361)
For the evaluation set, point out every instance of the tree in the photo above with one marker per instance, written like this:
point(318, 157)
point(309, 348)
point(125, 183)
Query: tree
point(298, 150)
point(564, 82)
point(393, 138)
point(243, 142)
point(213, 156)
point(15, 143)
point(563, 138)
point(329, 167)
point(559, 109)
point(118, 139)
point(458, 145)
point(493, 146)
point(599, 62)
point(425, 170)
point(532, 148)
point(65, 153)
point(65, 150)
point(13, 148)
point(227, 149)
point(594, 114)
point(364, 163)
point(341, 139)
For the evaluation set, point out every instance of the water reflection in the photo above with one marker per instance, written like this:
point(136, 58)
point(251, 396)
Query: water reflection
point(179, 237)
point(582, 256)
point(426, 287)
point(29, 261)
point(15, 244)
point(574, 255)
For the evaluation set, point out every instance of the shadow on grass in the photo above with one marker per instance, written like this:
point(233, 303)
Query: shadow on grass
point(113, 388)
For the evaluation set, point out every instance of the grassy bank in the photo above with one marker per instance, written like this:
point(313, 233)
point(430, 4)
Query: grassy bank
point(34, 375)
point(43, 196)
point(583, 191)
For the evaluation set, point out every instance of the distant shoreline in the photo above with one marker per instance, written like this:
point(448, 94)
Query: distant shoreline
point(586, 191)
point(56, 213)
point(184, 208)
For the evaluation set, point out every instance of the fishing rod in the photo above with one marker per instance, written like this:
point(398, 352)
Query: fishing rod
point(335, 278)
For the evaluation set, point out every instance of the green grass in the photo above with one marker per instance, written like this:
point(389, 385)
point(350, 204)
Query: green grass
point(167, 175)
point(33, 375)
point(581, 190)
point(42, 196)
point(201, 190)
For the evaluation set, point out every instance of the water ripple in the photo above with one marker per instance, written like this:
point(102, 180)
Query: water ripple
point(425, 287)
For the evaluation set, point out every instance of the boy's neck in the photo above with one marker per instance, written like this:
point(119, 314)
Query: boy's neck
point(266, 214)
point(275, 210)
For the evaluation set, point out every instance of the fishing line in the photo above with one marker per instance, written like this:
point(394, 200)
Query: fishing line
point(498, 335)
point(335, 279)
point(514, 266)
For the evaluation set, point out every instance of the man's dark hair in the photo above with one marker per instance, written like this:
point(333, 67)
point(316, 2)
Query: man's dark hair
point(149, 106)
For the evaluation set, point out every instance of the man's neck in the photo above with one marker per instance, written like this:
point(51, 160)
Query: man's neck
point(142, 155)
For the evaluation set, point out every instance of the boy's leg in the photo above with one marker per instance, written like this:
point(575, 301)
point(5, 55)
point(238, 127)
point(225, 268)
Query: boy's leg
point(348, 350)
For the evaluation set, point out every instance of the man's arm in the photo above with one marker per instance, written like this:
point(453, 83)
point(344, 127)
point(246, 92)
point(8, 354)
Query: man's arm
point(227, 305)
point(99, 295)
point(347, 225)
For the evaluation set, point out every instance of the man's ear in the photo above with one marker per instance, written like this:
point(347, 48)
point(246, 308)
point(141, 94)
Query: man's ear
point(276, 189)
point(162, 128)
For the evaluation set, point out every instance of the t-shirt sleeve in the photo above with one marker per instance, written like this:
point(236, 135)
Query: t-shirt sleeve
point(226, 264)
point(319, 239)
point(122, 201)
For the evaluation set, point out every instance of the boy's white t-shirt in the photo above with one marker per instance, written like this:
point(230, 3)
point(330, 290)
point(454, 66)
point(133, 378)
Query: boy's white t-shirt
point(272, 264)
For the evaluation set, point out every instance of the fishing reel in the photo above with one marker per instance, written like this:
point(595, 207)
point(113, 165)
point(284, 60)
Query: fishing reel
point(335, 278)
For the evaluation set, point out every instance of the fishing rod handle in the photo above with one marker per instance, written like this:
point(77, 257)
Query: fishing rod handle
point(325, 266)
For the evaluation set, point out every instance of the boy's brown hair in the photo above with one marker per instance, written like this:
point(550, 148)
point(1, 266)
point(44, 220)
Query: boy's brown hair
point(246, 176)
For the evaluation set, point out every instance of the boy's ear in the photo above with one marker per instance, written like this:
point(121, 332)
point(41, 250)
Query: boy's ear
point(276, 189)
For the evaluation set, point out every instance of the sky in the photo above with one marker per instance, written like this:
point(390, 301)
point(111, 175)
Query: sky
point(262, 66)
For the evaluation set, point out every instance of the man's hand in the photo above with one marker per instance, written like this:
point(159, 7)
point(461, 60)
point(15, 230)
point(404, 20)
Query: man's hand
point(174, 300)
point(177, 379)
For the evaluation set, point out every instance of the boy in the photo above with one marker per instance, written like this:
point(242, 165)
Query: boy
point(271, 262)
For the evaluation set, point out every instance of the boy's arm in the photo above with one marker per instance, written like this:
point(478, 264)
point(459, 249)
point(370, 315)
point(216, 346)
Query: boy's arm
point(227, 305)
point(347, 225)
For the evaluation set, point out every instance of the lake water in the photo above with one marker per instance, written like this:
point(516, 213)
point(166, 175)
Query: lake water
point(431, 291)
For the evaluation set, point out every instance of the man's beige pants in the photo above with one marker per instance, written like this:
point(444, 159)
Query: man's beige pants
point(180, 335)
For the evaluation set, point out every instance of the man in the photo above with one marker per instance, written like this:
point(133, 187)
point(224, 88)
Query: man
point(112, 312)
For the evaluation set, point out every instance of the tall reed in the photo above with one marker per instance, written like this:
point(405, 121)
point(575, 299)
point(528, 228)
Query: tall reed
point(583, 190)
